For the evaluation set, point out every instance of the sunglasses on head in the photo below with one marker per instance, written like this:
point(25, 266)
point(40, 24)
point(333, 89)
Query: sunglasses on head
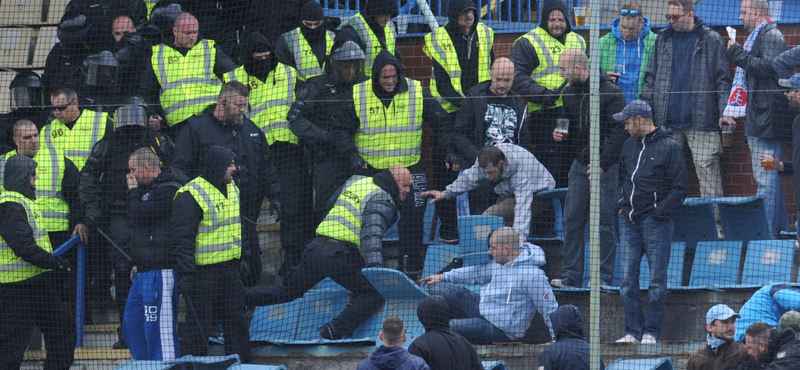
point(629, 13)
point(60, 108)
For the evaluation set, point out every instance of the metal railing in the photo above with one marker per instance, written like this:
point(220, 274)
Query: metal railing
point(80, 306)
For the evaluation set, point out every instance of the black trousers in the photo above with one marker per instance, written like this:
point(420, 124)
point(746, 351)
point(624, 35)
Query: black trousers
point(321, 259)
point(120, 232)
point(35, 302)
point(217, 297)
point(297, 198)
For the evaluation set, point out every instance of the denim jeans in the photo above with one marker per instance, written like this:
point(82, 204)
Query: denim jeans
point(467, 321)
point(576, 214)
point(653, 238)
point(769, 183)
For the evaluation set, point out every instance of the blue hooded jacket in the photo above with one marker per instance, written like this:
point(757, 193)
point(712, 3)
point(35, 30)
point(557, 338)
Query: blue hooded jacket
point(767, 304)
point(628, 58)
point(392, 358)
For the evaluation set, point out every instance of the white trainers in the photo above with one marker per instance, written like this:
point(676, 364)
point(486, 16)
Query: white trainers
point(649, 339)
point(627, 339)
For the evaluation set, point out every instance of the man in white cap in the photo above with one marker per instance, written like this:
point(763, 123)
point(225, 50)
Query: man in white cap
point(721, 352)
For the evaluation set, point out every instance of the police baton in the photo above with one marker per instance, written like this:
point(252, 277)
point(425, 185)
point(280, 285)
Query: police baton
point(124, 254)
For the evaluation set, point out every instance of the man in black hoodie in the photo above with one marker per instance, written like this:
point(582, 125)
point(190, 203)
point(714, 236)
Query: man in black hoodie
point(535, 56)
point(571, 350)
point(26, 296)
point(391, 101)
point(372, 30)
point(574, 66)
point(341, 249)
point(207, 242)
point(440, 347)
point(306, 47)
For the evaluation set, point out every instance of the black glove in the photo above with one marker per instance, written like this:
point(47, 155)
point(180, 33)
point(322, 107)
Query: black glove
point(275, 207)
point(63, 264)
point(550, 97)
point(357, 163)
point(185, 285)
point(452, 159)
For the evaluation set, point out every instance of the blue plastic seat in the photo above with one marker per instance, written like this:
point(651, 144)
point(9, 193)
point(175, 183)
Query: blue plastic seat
point(197, 362)
point(674, 268)
point(474, 231)
point(437, 257)
point(744, 218)
point(393, 233)
point(427, 222)
point(402, 298)
point(557, 196)
point(276, 323)
point(318, 307)
point(642, 364)
point(716, 265)
point(494, 365)
point(694, 222)
point(768, 262)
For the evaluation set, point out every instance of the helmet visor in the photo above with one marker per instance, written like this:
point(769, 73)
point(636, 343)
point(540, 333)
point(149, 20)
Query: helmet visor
point(23, 97)
point(131, 115)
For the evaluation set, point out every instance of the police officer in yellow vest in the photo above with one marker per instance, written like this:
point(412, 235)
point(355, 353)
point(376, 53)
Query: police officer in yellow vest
point(462, 55)
point(535, 56)
point(75, 130)
point(348, 239)
point(26, 296)
point(373, 30)
point(306, 47)
point(186, 75)
point(383, 127)
point(207, 237)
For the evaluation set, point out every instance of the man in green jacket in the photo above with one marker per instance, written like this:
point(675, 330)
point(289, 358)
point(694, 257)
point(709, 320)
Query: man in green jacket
point(626, 50)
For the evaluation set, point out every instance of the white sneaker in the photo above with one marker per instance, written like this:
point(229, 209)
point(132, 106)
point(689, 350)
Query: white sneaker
point(649, 339)
point(628, 339)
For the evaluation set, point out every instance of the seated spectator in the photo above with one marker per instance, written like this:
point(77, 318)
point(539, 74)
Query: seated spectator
point(571, 351)
point(721, 352)
point(771, 349)
point(767, 304)
point(513, 289)
point(391, 355)
point(440, 347)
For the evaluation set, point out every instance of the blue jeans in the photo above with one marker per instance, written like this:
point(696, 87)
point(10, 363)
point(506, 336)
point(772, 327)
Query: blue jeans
point(653, 238)
point(576, 214)
point(769, 183)
point(467, 321)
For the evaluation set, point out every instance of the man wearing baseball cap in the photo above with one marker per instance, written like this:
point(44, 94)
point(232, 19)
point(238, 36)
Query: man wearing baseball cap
point(652, 173)
point(721, 352)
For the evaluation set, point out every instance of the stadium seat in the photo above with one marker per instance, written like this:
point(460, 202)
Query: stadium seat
point(474, 230)
point(438, 256)
point(276, 323)
point(393, 233)
point(428, 221)
point(402, 298)
point(642, 364)
point(674, 268)
point(557, 196)
point(768, 262)
point(744, 218)
point(694, 222)
point(197, 362)
point(716, 265)
point(318, 307)
point(494, 365)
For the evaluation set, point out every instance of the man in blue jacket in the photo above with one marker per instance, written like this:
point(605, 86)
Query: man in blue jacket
point(391, 355)
point(571, 350)
point(513, 289)
point(652, 174)
point(767, 304)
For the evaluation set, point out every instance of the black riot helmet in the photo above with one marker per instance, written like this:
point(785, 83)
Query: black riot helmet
point(347, 62)
point(101, 69)
point(132, 112)
point(26, 90)
point(163, 17)
point(74, 28)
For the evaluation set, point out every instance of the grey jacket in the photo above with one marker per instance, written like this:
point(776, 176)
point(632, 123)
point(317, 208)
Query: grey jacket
point(711, 80)
point(768, 114)
point(522, 177)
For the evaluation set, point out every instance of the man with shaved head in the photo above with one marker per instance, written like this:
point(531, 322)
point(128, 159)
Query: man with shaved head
point(186, 75)
point(574, 68)
point(492, 114)
point(122, 26)
point(348, 239)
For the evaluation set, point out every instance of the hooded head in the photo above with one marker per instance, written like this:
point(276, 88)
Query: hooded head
point(347, 62)
point(552, 10)
point(19, 170)
point(391, 76)
point(260, 59)
point(378, 12)
point(311, 15)
point(567, 322)
point(434, 313)
point(215, 164)
point(458, 21)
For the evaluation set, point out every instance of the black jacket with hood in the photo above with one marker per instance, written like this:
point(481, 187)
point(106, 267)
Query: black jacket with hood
point(15, 229)
point(652, 175)
point(348, 123)
point(187, 214)
point(612, 132)
point(150, 209)
point(258, 43)
point(571, 350)
point(440, 347)
point(467, 51)
point(369, 11)
point(525, 59)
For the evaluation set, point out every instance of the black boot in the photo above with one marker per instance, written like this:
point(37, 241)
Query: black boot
point(121, 342)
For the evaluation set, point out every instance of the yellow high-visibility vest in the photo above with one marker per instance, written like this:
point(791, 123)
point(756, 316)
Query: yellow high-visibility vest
point(219, 234)
point(49, 200)
point(549, 50)
point(343, 222)
point(188, 83)
point(389, 135)
point(439, 47)
point(305, 62)
point(272, 100)
point(12, 267)
point(371, 44)
point(76, 144)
